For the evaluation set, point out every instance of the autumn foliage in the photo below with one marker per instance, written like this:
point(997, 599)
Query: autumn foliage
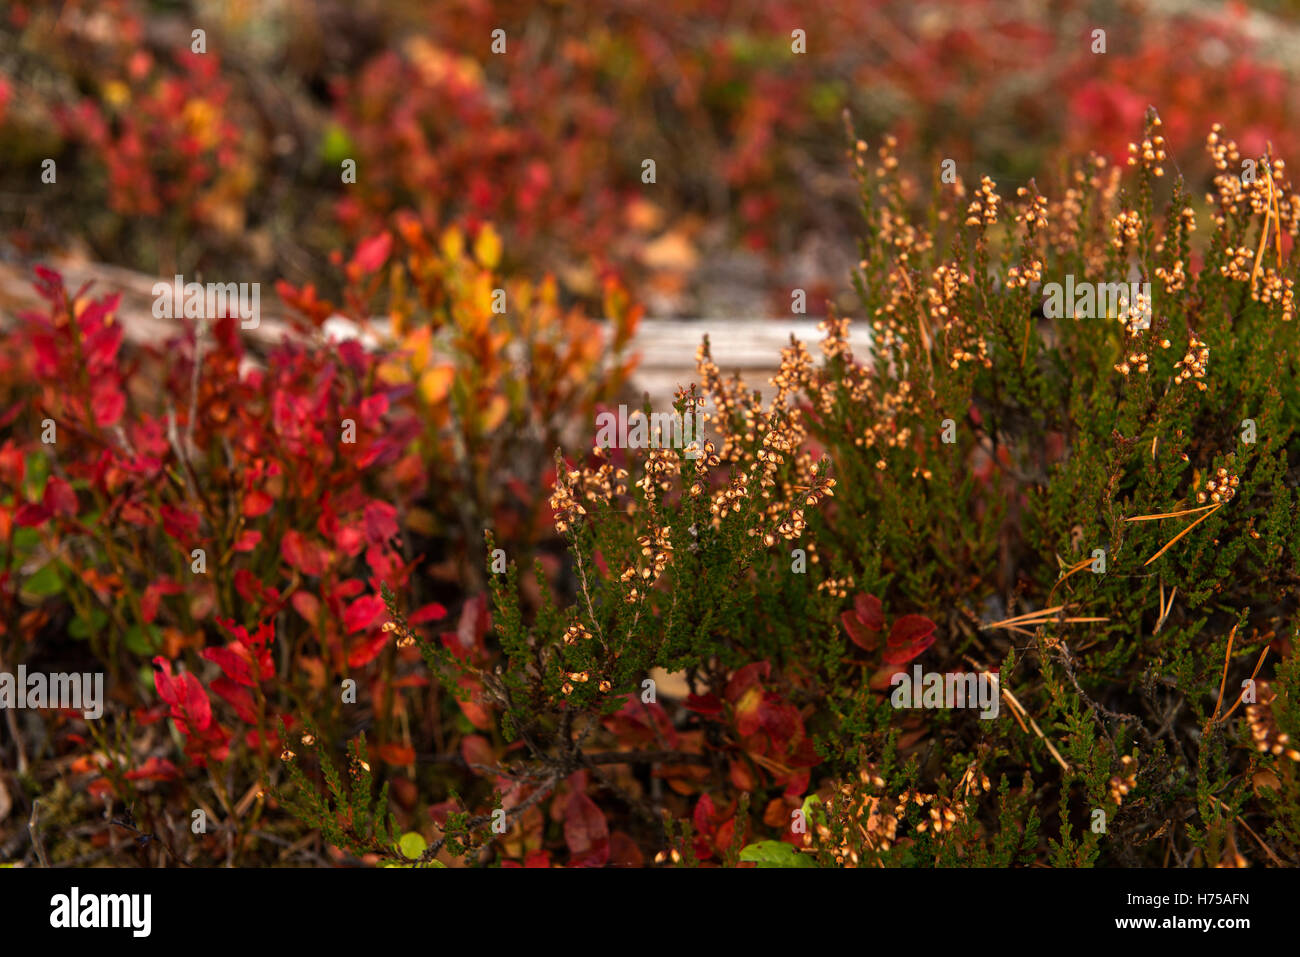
point(365, 591)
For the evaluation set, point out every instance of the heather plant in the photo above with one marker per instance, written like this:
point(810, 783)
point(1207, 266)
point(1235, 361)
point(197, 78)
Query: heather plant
point(674, 560)
point(1091, 511)
point(1099, 505)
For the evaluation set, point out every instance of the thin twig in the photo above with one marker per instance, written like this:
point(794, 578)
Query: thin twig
point(1267, 850)
point(33, 825)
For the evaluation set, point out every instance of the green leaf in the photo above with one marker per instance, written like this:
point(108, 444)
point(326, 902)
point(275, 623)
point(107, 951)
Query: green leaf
point(412, 844)
point(813, 810)
point(143, 641)
point(44, 583)
point(336, 146)
point(775, 854)
point(80, 628)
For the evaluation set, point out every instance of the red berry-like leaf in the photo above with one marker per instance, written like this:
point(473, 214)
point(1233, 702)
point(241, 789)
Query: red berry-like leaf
point(586, 832)
point(910, 636)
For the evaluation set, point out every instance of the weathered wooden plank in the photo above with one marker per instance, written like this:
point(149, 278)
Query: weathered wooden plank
point(667, 347)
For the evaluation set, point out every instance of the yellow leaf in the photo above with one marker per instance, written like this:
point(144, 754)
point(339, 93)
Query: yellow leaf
point(420, 345)
point(487, 247)
point(436, 383)
point(116, 93)
point(453, 244)
point(495, 413)
point(394, 373)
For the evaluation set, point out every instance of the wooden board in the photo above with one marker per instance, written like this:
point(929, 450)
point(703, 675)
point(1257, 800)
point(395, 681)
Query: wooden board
point(751, 346)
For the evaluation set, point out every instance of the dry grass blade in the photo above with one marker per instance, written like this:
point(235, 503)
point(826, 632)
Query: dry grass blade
point(1227, 658)
point(1156, 517)
point(1016, 619)
point(1263, 237)
point(1259, 664)
point(1170, 544)
point(1035, 618)
point(1165, 609)
point(1017, 706)
point(1072, 570)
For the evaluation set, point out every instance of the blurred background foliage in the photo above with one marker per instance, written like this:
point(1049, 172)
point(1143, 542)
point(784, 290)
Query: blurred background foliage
point(229, 162)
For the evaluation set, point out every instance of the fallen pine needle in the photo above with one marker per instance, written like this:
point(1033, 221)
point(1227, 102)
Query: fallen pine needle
point(1029, 614)
point(1072, 570)
point(1223, 682)
point(1170, 544)
point(1259, 664)
point(1016, 705)
point(1160, 515)
point(1263, 237)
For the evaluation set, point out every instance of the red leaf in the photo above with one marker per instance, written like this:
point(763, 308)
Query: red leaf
point(191, 709)
point(155, 769)
point(302, 554)
point(381, 522)
point(638, 723)
point(708, 704)
point(537, 859)
point(108, 402)
point(475, 749)
point(623, 851)
point(430, 612)
point(363, 612)
point(349, 540)
point(859, 634)
point(466, 642)
point(153, 595)
point(910, 636)
point(257, 502)
point(473, 708)
point(180, 523)
point(864, 621)
point(586, 832)
point(29, 515)
point(396, 754)
point(747, 677)
point(365, 650)
point(238, 697)
point(307, 605)
point(235, 666)
point(59, 497)
point(869, 611)
point(372, 410)
point(371, 253)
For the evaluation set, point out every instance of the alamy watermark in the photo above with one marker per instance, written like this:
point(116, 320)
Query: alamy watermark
point(80, 692)
point(213, 300)
point(650, 432)
point(1130, 302)
point(956, 689)
point(76, 910)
